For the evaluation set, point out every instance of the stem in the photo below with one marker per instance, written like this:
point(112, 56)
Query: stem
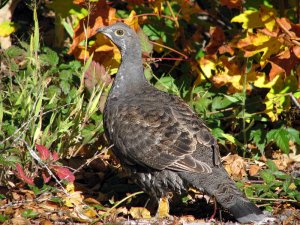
point(121, 201)
point(173, 15)
point(171, 49)
point(154, 14)
point(273, 199)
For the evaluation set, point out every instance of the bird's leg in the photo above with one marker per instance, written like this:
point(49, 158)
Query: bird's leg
point(215, 210)
point(163, 207)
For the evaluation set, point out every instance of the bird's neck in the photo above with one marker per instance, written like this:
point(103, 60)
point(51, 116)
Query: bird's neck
point(130, 76)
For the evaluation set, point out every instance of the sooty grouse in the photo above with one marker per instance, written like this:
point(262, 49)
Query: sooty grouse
point(160, 140)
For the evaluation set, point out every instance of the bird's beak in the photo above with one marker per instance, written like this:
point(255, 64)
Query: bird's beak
point(103, 30)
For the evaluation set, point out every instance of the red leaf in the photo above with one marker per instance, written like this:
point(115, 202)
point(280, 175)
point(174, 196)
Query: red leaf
point(55, 156)
point(46, 178)
point(44, 152)
point(21, 174)
point(64, 173)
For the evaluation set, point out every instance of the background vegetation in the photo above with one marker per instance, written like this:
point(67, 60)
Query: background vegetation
point(235, 62)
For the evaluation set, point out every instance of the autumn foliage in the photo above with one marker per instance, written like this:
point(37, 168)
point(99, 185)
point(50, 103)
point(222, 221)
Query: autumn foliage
point(236, 63)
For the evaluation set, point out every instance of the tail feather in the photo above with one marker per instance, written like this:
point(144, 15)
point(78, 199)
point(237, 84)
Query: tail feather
point(246, 211)
point(219, 185)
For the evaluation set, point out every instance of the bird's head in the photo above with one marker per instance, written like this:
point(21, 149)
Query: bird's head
point(121, 34)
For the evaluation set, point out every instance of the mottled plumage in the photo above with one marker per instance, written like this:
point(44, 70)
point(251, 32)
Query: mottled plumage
point(160, 140)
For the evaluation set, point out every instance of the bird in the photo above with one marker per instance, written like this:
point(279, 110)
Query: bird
point(160, 141)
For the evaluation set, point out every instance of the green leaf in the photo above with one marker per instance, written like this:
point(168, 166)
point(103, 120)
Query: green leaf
point(249, 191)
point(258, 138)
point(271, 165)
point(281, 138)
point(65, 75)
point(36, 37)
point(145, 44)
point(267, 176)
point(167, 84)
point(220, 102)
point(286, 185)
point(3, 218)
point(50, 57)
point(65, 86)
point(14, 51)
point(29, 213)
point(294, 135)
point(281, 175)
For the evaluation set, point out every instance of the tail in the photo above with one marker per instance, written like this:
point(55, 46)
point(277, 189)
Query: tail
point(219, 185)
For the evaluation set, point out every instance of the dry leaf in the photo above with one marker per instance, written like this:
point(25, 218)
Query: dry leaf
point(254, 170)
point(163, 208)
point(235, 166)
point(139, 212)
point(217, 38)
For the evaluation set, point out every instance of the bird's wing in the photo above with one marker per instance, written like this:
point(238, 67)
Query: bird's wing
point(164, 136)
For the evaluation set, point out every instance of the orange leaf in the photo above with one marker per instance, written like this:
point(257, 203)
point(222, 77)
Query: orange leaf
point(254, 170)
point(101, 15)
point(132, 21)
point(216, 40)
point(235, 166)
point(283, 62)
point(232, 3)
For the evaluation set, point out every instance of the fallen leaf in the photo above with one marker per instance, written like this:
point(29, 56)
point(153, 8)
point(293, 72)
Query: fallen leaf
point(139, 212)
point(235, 166)
point(254, 169)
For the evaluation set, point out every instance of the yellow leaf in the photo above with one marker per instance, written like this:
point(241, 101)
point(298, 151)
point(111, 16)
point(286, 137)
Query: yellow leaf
point(139, 212)
point(132, 21)
point(70, 188)
point(263, 82)
point(292, 186)
point(268, 16)
point(6, 28)
point(250, 19)
point(157, 6)
point(258, 42)
point(73, 199)
point(231, 139)
point(208, 66)
point(163, 208)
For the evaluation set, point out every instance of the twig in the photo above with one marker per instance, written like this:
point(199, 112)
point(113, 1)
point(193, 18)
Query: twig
point(171, 49)
point(154, 14)
point(173, 15)
point(92, 159)
point(295, 101)
point(273, 199)
point(288, 33)
point(121, 201)
point(166, 58)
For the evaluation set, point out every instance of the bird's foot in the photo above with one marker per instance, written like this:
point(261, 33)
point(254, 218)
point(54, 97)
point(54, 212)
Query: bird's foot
point(212, 217)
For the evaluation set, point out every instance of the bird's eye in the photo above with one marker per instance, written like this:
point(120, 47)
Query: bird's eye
point(119, 32)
